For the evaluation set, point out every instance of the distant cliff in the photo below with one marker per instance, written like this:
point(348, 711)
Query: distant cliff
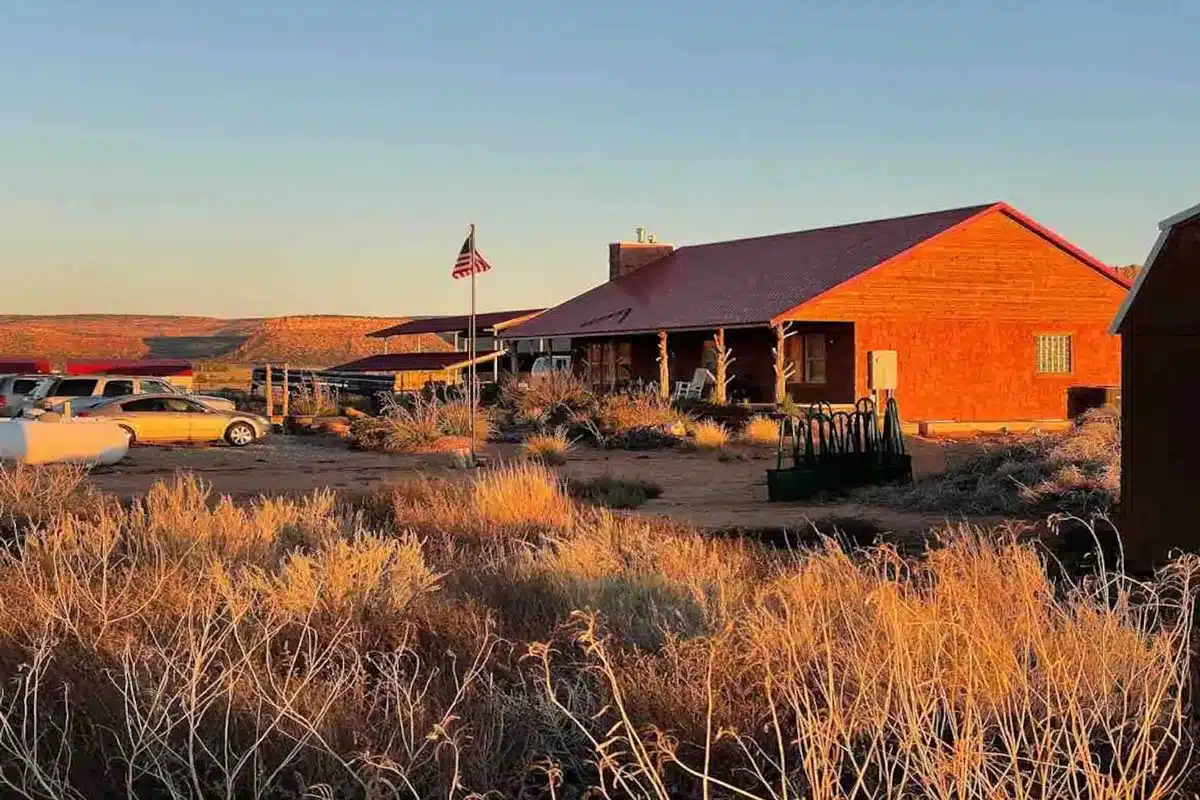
point(302, 340)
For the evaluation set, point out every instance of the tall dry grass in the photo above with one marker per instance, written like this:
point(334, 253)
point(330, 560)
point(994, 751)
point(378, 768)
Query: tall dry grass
point(444, 638)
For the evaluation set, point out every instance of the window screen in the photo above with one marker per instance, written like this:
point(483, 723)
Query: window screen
point(1054, 354)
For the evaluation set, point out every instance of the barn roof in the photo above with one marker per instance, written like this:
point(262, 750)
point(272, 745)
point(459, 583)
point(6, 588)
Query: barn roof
point(1164, 232)
point(456, 322)
point(750, 282)
point(413, 362)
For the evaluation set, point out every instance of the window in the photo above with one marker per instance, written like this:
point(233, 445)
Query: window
point(118, 388)
point(24, 385)
point(1054, 354)
point(155, 387)
point(147, 404)
point(180, 406)
point(75, 387)
point(814, 358)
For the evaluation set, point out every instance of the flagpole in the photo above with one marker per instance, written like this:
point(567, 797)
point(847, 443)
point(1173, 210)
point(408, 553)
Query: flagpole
point(471, 367)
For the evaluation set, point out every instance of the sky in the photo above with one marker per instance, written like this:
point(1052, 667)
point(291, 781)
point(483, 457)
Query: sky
point(261, 157)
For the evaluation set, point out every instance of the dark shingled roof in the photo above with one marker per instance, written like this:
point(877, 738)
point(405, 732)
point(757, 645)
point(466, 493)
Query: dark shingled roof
point(740, 282)
point(457, 322)
point(412, 362)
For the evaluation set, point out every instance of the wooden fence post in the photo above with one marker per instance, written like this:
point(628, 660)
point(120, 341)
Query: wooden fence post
point(269, 391)
point(283, 403)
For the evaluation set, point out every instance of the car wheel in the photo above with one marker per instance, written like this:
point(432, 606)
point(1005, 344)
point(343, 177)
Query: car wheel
point(240, 434)
point(129, 432)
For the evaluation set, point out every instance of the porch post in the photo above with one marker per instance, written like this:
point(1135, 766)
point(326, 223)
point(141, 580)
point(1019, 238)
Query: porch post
point(664, 370)
point(719, 348)
point(783, 370)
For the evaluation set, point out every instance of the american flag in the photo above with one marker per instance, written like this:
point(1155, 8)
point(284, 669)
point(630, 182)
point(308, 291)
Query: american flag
point(469, 260)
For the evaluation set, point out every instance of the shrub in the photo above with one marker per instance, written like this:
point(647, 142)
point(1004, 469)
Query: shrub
point(605, 490)
point(710, 435)
point(618, 413)
point(1077, 472)
point(762, 430)
point(319, 401)
point(550, 449)
point(537, 396)
point(419, 427)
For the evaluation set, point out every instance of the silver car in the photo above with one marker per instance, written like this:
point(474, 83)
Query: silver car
point(15, 390)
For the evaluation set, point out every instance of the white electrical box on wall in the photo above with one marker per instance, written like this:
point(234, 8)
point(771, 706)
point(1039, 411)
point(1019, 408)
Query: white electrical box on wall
point(881, 370)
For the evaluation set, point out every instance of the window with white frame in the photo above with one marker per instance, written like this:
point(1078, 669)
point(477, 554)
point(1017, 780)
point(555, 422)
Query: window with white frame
point(1054, 354)
point(814, 358)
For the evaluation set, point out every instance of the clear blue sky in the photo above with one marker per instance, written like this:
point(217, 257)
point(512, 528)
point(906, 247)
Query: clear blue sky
point(251, 157)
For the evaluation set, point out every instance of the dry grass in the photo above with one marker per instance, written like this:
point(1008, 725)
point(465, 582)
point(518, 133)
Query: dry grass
point(550, 449)
point(618, 413)
point(709, 435)
point(761, 430)
point(442, 638)
point(1077, 472)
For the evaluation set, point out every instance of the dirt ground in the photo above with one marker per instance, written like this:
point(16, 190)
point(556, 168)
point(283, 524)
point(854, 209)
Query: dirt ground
point(698, 488)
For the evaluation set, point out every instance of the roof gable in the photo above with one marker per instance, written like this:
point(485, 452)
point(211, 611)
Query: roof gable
point(741, 282)
point(1164, 233)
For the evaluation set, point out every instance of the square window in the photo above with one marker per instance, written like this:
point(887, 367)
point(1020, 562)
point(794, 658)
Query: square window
point(1054, 354)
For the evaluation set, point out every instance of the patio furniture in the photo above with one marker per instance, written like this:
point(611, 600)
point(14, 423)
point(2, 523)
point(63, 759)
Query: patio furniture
point(693, 389)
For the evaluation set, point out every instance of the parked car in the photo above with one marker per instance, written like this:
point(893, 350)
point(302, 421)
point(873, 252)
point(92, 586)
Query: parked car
point(85, 391)
point(16, 389)
point(545, 365)
point(171, 417)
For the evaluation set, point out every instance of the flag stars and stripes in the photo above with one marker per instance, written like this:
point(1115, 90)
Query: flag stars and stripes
point(469, 261)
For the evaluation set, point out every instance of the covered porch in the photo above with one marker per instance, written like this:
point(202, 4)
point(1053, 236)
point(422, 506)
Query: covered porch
point(805, 361)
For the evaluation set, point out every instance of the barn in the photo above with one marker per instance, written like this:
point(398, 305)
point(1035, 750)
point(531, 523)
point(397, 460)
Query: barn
point(1159, 326)
point(977, 314)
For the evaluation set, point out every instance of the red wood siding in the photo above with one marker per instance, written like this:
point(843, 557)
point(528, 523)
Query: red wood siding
point(963, 312)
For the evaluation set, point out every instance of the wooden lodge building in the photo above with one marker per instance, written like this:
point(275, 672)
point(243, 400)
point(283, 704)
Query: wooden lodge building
point(1159, 326)
point(975, 314)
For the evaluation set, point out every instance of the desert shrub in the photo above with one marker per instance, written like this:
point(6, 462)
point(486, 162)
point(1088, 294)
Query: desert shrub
point(545, 394)
point(731, 415)
point(36, 495)
point(643, 438)
point(550, 449)
point(618, 413)
point(418, 427)
point(762, 430)
point(708, 435)
point(1078, 472)
point(612, 492)
point(319, 400)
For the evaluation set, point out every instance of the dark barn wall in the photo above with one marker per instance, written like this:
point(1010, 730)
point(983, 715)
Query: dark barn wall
point(1160, 426)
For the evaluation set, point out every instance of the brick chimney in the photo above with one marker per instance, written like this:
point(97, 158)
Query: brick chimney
point(627, 257)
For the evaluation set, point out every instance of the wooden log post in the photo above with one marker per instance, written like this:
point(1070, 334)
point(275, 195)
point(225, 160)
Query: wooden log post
point(783, 370)
point(724, 360)
point(269, 391)
point(664, 368)
point(283, 402)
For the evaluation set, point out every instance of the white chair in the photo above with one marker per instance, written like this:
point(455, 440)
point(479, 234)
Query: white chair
point(693, 389)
